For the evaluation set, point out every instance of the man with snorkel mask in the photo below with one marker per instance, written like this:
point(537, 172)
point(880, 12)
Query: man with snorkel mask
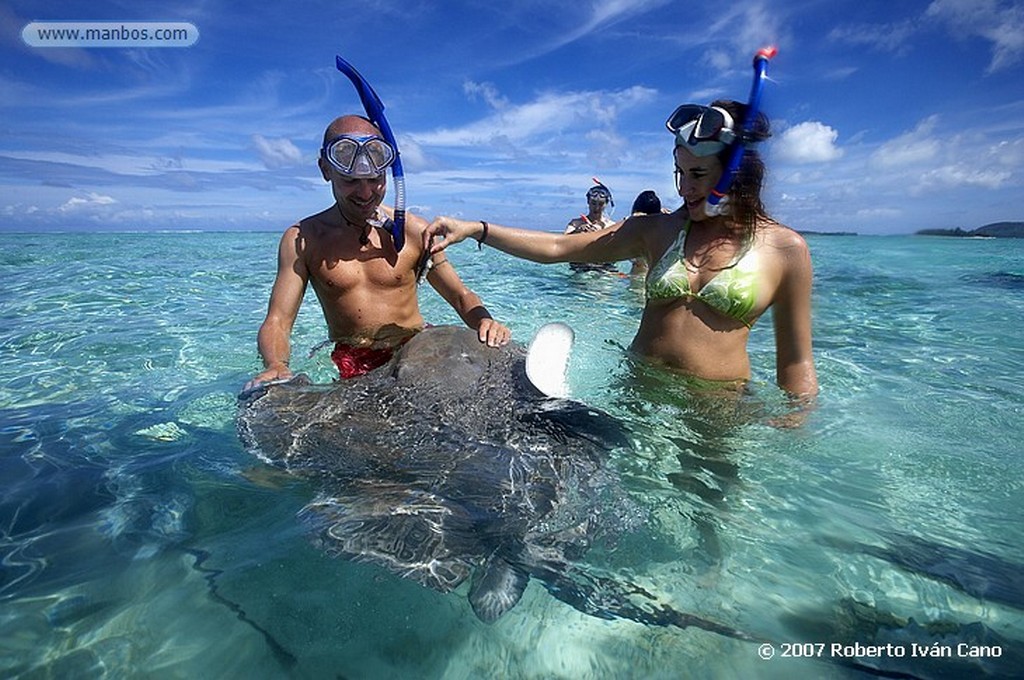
point(599, 197)
point(364, 276)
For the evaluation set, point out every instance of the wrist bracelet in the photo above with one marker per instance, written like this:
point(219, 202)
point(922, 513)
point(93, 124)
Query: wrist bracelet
point(483, 236)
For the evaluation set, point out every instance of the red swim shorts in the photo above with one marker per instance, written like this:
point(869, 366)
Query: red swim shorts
point(355, 361)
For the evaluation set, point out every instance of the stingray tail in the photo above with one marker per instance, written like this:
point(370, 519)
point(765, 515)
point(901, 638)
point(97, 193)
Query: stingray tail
point(609, 599)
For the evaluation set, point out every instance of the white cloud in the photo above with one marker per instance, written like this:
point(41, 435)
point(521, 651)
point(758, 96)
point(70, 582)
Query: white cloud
point(607, 149)
point(927, 160)
point(1001, 23)
point(893, 37)
point(576, 23)
point(1008, 153)
point(486, 91)
point(742, 27)
point(131, 165)
point(808, 142)
point(717, 59)
point(905, 151)
point(276, 153)
point(414, 159)
point(914, 148)
point(550, 113)
point(760, 25)
point(91, 200)
point(959, 175)
point(879, 213)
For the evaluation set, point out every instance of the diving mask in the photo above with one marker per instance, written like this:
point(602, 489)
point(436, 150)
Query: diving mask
point(703, 130)
point(359, 157)
point(600, 192)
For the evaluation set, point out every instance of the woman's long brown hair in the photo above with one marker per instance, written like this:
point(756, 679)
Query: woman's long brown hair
point(746, 207)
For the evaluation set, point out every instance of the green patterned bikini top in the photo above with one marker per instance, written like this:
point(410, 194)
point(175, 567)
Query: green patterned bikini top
point(732, 292)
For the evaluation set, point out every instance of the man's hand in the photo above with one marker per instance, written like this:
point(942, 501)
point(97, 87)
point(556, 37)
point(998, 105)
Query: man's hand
point(277, 371)
point(493, 333)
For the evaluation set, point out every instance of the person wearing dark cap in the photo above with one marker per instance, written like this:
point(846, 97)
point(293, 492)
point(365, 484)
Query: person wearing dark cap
point(645, 203)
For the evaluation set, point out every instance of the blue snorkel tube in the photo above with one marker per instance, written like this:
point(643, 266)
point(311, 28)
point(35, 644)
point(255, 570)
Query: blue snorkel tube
point(374, 108)
point(716, 202)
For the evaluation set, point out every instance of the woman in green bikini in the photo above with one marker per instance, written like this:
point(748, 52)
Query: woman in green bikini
point(711, 275)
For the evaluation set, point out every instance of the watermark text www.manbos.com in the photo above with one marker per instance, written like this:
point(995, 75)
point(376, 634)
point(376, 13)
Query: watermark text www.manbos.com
point(110, 34)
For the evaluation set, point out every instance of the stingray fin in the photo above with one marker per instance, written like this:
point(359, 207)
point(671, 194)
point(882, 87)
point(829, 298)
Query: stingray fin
point(547, 359)
point(496, 588)
point(411, 533)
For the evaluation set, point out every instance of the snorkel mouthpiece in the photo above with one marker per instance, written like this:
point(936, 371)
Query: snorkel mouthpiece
point(374, 109)
point(717, 201)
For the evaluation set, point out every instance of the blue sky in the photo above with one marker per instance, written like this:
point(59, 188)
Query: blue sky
point(888, 116)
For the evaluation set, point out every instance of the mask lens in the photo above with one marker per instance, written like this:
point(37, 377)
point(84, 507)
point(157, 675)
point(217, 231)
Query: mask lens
point(362, 156)
point(342, 153)
point(683, 115)
point(704, 130)
point(379, 153)
point(709, 124)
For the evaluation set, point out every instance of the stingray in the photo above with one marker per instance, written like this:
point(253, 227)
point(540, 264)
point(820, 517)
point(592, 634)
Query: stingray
point(449, 464)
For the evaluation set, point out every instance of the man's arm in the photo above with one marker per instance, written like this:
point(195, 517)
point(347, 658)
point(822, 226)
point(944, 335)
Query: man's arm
point(274, 337)
point(446, 282)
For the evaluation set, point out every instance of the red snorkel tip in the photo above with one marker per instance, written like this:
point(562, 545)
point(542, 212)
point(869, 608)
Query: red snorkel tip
point(766, 52)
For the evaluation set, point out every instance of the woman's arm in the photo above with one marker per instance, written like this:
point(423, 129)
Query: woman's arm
point(618, 242)
point(794, 359)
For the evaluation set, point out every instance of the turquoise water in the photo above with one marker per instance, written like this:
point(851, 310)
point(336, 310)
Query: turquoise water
point(138, 538)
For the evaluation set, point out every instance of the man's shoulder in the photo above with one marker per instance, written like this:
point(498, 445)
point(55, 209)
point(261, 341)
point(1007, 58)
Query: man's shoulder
point(306, 235)
point(311, 223)
point(416, 223)
point(291, 236)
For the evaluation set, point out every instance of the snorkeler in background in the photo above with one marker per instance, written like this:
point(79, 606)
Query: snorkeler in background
point(599, 198)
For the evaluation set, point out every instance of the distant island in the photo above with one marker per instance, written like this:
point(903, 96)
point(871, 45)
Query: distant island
point(994, 230)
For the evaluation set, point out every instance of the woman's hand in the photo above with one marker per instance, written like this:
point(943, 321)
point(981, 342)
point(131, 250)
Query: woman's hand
point(449, 230)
